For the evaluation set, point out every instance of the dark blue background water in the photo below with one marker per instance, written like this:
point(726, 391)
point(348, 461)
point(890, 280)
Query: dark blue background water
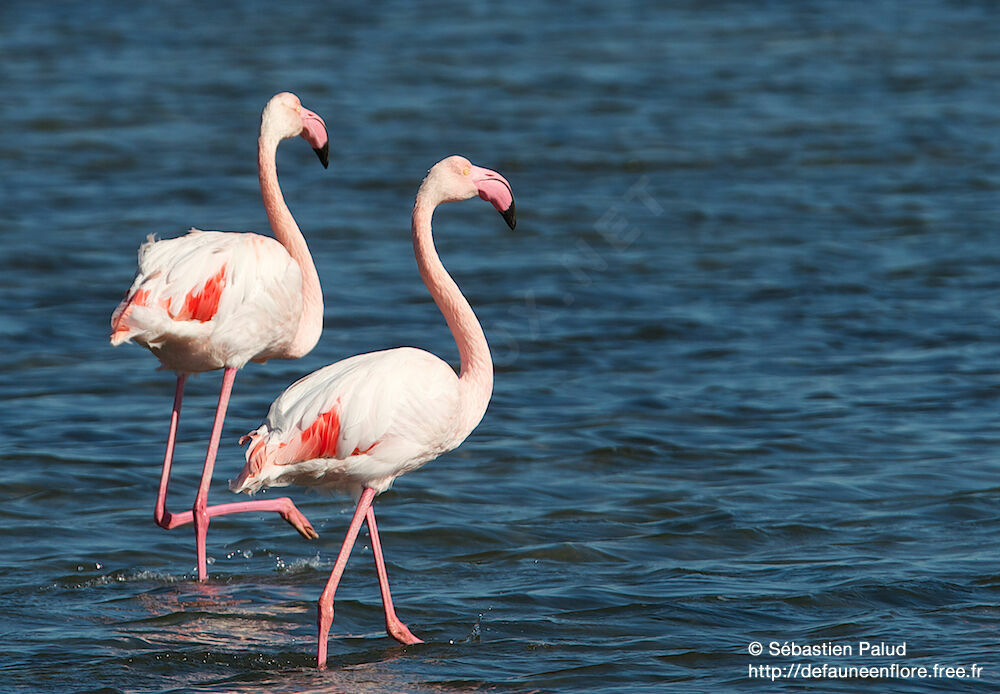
point(747, 337)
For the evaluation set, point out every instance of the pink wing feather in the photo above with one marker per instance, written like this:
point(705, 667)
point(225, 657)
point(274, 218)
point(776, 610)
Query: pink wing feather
point(347, 415)
point(210, 299)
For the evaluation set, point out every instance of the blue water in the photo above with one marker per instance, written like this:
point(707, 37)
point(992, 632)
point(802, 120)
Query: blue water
point(747, 337)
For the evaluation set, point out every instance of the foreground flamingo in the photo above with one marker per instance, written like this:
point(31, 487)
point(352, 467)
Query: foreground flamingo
point(216, 300)
point(360, 423)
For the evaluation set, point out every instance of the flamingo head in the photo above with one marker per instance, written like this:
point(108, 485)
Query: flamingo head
point(285, 116)
point(456, 178)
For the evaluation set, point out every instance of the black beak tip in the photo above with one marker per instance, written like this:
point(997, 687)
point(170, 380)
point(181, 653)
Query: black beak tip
point(510, 215)
point(324, 154)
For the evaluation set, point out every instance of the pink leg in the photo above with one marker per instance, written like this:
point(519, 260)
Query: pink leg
point(395, 628)
point(161, 515)
point(324, 617)
point(201, 512)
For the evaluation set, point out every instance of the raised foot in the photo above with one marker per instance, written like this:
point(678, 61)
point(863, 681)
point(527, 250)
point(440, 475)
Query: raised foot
point(401, 633)
point(297, 520)
point(283, 506)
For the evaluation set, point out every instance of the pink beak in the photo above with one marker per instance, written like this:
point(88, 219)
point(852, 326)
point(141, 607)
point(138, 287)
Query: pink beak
point(494, 189)
point(314, 132)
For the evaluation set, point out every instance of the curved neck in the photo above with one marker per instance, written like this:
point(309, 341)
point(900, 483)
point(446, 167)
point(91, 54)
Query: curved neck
point(287, 232)
point(476, 374)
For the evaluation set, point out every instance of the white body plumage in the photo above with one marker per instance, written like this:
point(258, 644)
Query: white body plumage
point(210, 300)
point(358, 423)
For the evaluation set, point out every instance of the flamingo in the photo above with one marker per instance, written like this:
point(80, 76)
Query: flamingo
point(216, 300)
point(360, 423)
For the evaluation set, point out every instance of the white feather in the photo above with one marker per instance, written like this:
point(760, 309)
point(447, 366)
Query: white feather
point(258, 309)
point(397, 409)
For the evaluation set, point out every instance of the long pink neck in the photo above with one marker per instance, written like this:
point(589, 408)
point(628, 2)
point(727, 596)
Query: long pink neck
point(476, 375)
point(286, 231)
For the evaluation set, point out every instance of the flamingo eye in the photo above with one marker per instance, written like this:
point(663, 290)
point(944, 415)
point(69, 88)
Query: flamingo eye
point(466, 171)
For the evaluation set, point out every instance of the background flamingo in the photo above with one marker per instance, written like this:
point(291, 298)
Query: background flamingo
point(360, 423)
point(216, 300)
